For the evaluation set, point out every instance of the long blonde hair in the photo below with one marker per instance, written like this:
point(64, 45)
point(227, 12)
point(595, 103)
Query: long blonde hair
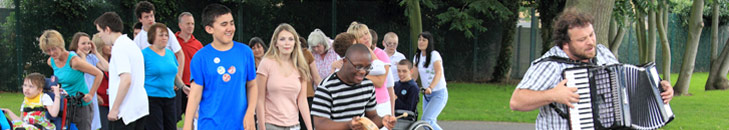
point(296, 57)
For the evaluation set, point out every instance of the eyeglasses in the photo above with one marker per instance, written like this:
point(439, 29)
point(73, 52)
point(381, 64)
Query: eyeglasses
point(363, 68)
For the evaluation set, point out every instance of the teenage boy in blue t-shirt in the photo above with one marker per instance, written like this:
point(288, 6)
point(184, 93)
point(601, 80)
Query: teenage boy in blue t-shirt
point(221, 75)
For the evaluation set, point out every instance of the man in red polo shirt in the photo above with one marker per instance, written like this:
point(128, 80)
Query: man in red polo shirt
point(190, 46)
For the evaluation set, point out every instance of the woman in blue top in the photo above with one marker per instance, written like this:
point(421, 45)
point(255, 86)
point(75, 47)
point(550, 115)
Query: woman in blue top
point(160, 71)
point(70, 69)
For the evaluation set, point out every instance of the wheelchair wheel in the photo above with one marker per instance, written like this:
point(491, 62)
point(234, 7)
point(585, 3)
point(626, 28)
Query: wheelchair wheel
point(420, 125)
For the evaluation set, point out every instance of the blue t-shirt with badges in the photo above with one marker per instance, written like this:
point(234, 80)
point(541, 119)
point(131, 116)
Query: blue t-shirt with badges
point(159, 73)
point(223, 75)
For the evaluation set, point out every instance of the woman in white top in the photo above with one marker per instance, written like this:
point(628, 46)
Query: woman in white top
point(283, 74)
point(429, 66)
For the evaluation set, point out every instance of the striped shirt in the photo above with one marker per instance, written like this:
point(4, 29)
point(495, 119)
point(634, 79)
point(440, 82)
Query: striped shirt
point(545, 75)
point(340, 102)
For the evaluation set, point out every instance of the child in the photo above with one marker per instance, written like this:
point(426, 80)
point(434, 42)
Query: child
point(222, 75)
point(406, 90)
point(35, 105)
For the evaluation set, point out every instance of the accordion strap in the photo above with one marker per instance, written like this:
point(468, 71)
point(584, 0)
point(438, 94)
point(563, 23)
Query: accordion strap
point(558, 59)
point(559, 112)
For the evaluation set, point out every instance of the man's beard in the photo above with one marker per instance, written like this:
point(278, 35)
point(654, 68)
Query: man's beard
point(583, 56)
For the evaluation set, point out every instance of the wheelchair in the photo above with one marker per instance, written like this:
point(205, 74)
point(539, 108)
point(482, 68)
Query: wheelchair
point(410, 122)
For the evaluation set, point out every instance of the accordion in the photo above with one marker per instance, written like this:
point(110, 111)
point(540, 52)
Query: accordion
point(617, 96)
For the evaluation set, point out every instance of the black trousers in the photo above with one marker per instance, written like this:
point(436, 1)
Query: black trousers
point(162, 114)
point(301, 120)
point(103, 114)
point(136, 125)
point(181, 101)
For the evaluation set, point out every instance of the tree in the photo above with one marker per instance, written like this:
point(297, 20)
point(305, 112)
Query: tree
point(662, 30)
point(601, 10)
point(719, 66)
point(502, 70)
point(695, 26)
point(412, 11)
point(548, 11)
point(618, 24)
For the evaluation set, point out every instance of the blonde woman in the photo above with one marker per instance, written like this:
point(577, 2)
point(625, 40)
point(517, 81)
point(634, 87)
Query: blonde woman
point(283, 74)
point(381, 68)
point(70, 69)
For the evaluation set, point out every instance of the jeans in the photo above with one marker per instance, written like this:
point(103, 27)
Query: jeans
point(433, 104)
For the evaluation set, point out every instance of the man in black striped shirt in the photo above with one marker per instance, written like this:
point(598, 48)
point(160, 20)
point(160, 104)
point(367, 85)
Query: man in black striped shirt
point(345, 95)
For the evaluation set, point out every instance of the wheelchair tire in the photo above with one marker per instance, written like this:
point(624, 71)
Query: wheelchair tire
point(420, 125)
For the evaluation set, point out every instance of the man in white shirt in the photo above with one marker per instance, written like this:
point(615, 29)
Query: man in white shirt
point(129, 104)
point(144, 11)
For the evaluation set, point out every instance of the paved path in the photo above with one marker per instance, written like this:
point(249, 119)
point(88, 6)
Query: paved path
point(483, 125)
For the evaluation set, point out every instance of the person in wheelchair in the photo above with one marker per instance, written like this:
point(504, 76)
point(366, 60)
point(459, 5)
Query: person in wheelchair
point(407, 92)
point(35, 105)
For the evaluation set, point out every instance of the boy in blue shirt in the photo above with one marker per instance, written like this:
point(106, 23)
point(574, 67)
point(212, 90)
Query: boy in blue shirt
point(222, 75)
point(406, 90)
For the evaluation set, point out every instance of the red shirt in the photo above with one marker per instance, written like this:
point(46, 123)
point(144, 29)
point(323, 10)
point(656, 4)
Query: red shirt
point(189, 47)
point(101, 91)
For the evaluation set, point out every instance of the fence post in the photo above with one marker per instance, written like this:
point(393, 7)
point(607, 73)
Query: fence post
point(532, 34)
point(334, 19)
point(18, 46)
point(475, 55)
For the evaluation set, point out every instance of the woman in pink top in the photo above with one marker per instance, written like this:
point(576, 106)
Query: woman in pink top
point(381, 63)
point(283, 74)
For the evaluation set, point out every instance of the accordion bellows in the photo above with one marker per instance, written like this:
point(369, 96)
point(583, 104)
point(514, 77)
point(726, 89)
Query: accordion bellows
point(617, 96)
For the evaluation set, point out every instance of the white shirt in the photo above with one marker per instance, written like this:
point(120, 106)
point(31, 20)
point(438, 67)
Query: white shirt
point(172, 43)
point(428, 73)
point(394, 60)
point(127, 58)
point(45, 101)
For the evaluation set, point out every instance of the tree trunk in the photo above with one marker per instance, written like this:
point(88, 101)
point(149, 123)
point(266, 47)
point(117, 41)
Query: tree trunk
point(717, 76)
point(615, 43)
point(640, 30)
point(502, 70)
point(548, 10)
point(415, 24)
point(651, 41)
point(714, 30)
point(714, 46)
point(666, 46)
point(692, 44)
point(601, 10)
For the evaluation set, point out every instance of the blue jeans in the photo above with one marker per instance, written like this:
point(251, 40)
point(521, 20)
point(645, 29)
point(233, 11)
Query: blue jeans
point(433, 104)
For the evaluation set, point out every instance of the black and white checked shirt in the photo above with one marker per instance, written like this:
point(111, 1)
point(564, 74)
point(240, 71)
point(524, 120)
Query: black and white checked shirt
point(545, 75)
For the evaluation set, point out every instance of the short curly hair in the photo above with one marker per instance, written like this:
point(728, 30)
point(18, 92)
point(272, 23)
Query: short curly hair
point(342, 42)
point(570, 18)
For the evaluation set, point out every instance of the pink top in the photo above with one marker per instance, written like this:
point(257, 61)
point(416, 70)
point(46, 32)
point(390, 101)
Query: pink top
point(324, 63)
point(381, 93)
point(281, 93)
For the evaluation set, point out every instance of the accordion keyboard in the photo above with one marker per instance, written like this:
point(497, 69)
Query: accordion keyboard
point(581, 114)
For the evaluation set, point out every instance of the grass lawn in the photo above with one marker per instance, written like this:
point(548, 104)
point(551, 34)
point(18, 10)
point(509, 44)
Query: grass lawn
point(490, 102)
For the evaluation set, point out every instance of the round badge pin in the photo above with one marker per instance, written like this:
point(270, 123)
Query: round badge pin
point(226, 77)
point(216, 60)
point(221, 69)
point(231, 70)
point(403, 92)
